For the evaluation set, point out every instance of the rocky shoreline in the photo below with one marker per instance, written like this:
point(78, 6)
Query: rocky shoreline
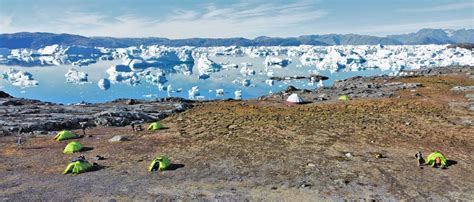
point(367, 87)
point(37, 117)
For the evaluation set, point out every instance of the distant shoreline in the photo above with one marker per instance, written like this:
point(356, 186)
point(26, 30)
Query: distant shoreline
point(422, 37)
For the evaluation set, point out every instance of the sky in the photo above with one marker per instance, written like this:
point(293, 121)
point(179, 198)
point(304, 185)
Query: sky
point(221, 19)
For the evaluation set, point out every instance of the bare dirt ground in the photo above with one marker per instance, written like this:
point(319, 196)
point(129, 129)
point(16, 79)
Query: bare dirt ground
point(268, 150)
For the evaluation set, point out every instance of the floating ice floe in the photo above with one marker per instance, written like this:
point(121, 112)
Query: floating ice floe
point(219, 92)
point(246, 82)
point(83, 62)
point(200, 97)
point(229, 66)
point(248, 64)
point(169, 90)
point(246, 71)
point(104, 84)
point(75, 76)
point(320, 84)
point(19, 78)
point(270, 82)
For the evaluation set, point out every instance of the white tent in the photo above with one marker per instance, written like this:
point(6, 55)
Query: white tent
point(294, 99)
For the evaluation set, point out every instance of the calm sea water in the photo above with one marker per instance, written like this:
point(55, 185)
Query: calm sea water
point(54, 88)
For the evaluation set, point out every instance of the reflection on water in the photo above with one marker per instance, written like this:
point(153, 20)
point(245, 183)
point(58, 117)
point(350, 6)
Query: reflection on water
point(247, 77)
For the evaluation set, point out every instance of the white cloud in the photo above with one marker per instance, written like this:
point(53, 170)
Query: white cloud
point(445, 7)
point(241, 19)
point(5, 22)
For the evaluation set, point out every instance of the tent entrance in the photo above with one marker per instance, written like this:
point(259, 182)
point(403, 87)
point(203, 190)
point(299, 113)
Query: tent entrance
point(156, 166)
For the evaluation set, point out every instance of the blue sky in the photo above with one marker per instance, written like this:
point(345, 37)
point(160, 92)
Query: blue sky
point(200, 18)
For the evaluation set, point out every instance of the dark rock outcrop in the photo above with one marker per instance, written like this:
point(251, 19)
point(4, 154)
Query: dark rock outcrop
point(41, 117)
point(4, 95)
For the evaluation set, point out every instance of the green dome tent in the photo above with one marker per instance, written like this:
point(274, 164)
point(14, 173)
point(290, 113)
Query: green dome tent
point(72, 147)
point(431, 159)
point(155, 126)
point(79, 166)
point(159, 163)
point(64, 135)
point(344, 98)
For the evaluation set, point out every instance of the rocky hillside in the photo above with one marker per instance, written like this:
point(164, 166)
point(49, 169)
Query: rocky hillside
point(424, 36)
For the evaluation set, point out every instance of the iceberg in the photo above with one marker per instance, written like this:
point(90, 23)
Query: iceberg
point(206, 67)
point(104, 84)
point(156, 78)
point(123, 74)
point(19, 78)
point(219, 92)
point(277, 62)
point(270, 82)
point(49, 50)
point(246, 82)
point(246, 71)
point(229, 66)
point(193, 92)
point(75, 76)
point(238, 94)
point(320, 84)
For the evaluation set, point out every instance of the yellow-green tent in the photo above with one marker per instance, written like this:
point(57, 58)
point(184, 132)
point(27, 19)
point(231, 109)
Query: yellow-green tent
point(155, 126)
point(430, 160)
point(72, 147)
point(159, 163)
point(64, 135)
point(77, 167)
point(344, 98)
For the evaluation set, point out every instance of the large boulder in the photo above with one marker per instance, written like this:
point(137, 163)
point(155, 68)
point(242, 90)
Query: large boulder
point(118, 138)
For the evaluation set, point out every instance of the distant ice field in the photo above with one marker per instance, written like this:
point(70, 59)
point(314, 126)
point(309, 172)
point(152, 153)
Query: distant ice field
point(75, 74)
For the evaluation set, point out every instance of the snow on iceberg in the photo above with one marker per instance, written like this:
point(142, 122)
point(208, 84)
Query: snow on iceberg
point(49, 50)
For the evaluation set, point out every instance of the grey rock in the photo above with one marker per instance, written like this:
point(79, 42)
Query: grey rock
point(118, 138)
point(32, 115)
point(462, 88)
